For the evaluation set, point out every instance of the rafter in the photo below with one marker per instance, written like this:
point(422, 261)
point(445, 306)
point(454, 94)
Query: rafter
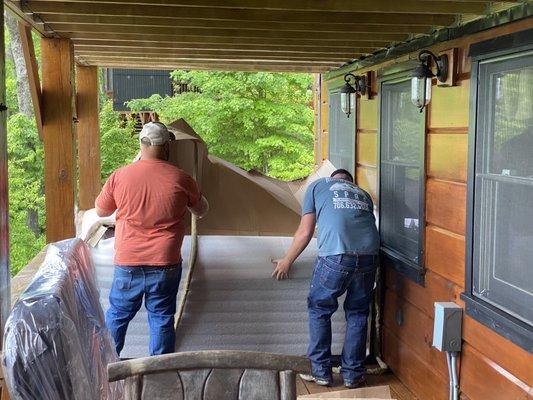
point(382, 6)
point(346, 28)
point(269, 48)
point(212, 13)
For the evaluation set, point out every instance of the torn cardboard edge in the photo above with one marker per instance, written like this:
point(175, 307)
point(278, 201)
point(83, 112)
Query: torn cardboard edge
point(289, 194)
point(366, 393)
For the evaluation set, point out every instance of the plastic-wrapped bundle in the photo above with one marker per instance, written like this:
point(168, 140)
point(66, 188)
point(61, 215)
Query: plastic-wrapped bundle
point(56, 344)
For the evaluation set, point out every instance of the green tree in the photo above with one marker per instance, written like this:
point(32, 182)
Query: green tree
point(260, 121)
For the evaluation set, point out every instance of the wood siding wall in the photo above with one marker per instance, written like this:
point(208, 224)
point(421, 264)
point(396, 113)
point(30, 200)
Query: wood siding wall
point(491, 367)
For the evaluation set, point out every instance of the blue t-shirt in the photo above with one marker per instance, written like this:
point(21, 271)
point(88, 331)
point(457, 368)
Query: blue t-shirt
point(344, 215)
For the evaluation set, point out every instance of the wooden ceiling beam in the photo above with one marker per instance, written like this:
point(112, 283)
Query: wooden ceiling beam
point(269, 48)
point(225, 54)
point(343, 29)
point(223, 33)
point(346, 43)
point(180, 60)
point(212, 13)
point(359, 6)
point(212, 67)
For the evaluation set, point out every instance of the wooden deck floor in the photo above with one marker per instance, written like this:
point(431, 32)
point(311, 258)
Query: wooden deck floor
point(398, 390)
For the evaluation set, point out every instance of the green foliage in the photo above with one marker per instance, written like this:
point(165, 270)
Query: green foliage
point(119, 143)
point(26, 192)
point(260, 121)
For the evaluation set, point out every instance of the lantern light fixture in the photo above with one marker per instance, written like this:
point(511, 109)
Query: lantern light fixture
point(422, 76)
point(348, 92)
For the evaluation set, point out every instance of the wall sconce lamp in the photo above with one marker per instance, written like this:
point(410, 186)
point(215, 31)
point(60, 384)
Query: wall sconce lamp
point(348, 92)
point(422, 75)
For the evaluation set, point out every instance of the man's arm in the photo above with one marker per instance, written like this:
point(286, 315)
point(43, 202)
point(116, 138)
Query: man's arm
point(201, 208)
point(103, 212)
point(302, 237)
point(105, 204)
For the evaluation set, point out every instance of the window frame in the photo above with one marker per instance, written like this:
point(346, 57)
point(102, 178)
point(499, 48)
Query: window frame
point(416, 272)
point(334, 92)
point(496, 319)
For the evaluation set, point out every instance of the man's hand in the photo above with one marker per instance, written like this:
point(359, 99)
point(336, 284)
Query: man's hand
point(282, 269)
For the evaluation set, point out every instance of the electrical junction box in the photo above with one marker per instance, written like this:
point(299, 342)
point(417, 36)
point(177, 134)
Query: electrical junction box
point(447, 328)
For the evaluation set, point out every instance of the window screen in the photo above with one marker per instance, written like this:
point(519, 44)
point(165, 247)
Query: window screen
point(401, 172)
point(341, 135)
point(503, 187)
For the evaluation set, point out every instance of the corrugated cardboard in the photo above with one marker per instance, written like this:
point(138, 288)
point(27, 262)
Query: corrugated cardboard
point(366, 393)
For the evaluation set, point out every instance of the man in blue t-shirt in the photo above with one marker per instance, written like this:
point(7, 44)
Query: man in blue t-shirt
point(348, 243)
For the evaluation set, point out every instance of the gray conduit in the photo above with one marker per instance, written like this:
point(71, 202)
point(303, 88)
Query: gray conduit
point(193, 254)
point(451, 358)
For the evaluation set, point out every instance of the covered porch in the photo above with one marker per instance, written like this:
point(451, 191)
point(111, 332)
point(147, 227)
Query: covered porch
point(329, 39)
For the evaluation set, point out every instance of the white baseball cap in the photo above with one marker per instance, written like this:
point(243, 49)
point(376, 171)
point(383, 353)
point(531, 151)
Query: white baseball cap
point(156, 132)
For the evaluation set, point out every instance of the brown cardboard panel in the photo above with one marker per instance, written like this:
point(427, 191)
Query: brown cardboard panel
point(445, 254)
point(376, 392)
point(447, 156)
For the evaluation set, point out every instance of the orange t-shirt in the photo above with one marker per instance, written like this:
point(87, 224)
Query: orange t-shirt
point(151, 198)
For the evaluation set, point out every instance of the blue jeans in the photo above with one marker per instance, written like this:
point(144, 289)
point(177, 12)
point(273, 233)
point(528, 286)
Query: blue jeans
point(332, 277)
point(159, 286)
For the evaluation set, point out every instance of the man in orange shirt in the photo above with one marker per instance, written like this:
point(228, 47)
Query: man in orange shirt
point(151, 198)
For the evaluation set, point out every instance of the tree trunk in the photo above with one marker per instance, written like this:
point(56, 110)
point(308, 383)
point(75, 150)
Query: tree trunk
point(17, 52)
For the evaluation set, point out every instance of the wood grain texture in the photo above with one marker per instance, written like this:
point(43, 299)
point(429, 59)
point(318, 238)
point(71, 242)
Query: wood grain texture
point(482, 379)
point(368, 114)
point(446, 205)
point(259, 385)
point(193, 382)
point(445, 254)
point(88, 131)
point(222, 384)
point(221, 359)
point(449, 106)
point(59, 138)
point(447, 156)
point(367, 150)
point(165, 385)
point(414, 328)
point(287, 384)
point(436, 288)
point(498, 349)
point(366, 178)
point(415, 374)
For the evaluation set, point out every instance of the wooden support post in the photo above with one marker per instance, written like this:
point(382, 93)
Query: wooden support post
point(88, 131)
point(33, 74)
point(59, 139)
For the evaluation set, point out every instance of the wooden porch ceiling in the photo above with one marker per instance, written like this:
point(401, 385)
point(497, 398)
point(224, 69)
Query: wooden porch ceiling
point(247, 35)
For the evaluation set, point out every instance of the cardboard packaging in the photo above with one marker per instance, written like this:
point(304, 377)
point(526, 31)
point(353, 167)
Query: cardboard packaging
point(366, 393)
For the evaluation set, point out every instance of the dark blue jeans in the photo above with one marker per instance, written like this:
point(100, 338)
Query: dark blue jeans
point(333, 276)
point(159, 286)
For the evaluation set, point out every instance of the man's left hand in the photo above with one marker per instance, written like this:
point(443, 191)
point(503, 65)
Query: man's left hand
point(282, 269)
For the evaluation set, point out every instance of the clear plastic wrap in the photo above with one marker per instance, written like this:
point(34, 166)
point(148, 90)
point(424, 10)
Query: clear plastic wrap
point(56, 344)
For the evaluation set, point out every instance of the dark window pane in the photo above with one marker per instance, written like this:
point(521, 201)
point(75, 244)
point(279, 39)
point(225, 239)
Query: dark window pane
point(400, 170)
point(503, 215)
point(341, 135)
